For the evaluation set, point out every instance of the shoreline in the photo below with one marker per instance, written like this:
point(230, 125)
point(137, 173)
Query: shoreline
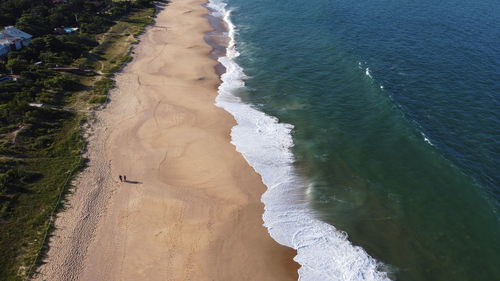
point(193, 210)
point(266, 144)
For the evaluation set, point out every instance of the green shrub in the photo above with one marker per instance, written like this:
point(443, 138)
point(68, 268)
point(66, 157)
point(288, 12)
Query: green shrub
point(102, 87)
point(98, 99)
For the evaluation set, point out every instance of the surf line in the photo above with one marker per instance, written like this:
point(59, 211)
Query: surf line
point(323, 252)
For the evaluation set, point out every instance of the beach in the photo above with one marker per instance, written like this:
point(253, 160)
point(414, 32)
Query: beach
point(191, 207)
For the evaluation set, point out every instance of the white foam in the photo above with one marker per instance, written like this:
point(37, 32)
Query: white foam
point(323, 252)
point(426, 139)
point(368, 73)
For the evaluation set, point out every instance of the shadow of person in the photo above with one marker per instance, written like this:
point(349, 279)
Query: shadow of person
point(133, 182)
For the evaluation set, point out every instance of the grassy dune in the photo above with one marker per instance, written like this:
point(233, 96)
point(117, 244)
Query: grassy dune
point(41, 159)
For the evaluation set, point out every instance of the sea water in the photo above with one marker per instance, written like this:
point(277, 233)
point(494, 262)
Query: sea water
point(375, 126)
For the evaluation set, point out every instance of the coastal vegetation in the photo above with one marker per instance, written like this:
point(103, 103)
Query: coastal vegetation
point(59, 79)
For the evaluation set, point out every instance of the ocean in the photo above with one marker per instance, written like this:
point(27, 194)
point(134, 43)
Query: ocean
point(375, 125)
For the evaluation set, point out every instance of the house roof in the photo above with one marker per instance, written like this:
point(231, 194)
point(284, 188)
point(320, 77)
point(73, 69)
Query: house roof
point(10, 34)
point(4, 43)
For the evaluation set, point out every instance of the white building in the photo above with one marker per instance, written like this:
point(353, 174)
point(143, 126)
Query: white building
point(12, 39)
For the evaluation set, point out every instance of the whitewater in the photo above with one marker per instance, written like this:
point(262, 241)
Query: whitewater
point(323, 252)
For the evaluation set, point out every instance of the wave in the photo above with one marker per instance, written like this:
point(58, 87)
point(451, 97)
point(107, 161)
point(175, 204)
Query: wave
point(426, 139)
point(323, 252)
point(368, 73)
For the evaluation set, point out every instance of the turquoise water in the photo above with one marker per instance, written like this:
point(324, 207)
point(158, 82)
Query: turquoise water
point(395, 108)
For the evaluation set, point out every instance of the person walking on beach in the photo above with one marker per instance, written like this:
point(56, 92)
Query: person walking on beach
point(120, 177)
point(124, 178)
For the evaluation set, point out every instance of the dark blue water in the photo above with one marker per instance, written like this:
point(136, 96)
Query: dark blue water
point(397, 124)
point(441, 64)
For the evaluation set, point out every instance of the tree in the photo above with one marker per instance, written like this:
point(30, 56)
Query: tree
point(16, 65)
point(61, 82)
point(34, 24)
point(144, 3)
point(3, 67)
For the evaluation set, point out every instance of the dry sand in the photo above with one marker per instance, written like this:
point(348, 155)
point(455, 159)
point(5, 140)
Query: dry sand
point(192, 210)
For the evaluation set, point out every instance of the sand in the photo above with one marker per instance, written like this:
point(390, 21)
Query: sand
point(191, 209)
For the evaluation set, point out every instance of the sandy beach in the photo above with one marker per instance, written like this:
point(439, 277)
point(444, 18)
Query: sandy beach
point(191, 209)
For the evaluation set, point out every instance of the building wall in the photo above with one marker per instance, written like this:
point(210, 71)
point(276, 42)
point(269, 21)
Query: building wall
point(26, 42)
point(4, 49)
